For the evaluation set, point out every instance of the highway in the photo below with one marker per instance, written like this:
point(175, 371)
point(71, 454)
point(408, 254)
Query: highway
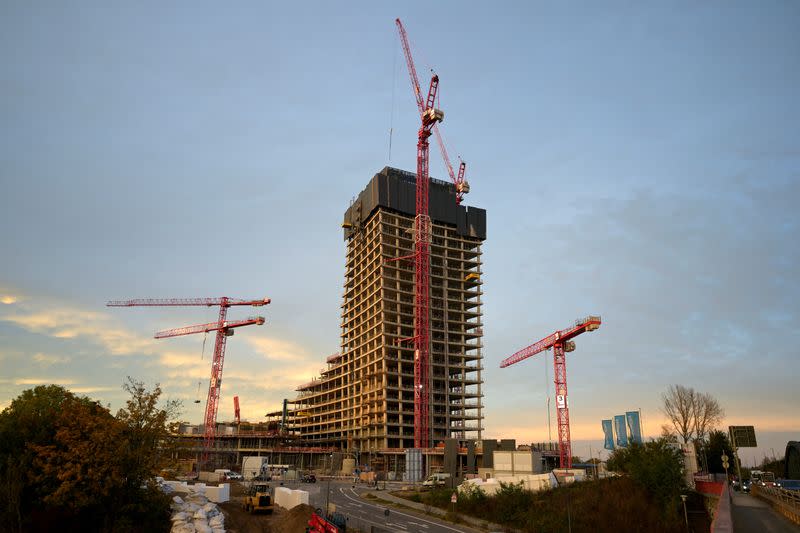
point(752, 514)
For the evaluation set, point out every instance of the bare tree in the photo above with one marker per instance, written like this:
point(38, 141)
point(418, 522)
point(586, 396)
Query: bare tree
point(679, 407)
point(706, 414)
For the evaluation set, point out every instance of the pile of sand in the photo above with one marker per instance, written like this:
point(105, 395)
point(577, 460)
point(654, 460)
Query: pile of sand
point(295, 520)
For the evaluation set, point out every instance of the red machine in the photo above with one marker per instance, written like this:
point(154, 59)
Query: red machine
point(560, 342)
point(224, 330)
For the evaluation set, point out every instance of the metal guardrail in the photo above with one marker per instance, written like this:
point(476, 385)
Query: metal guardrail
point(786, 502)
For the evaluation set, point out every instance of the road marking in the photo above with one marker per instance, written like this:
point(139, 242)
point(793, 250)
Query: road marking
point(399, 526)
point(418, 524)
point(394, 511)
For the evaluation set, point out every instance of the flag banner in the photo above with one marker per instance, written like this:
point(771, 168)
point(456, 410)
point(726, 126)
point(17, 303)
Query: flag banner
point(634, 426)
point(621, 429)
point(608, 431)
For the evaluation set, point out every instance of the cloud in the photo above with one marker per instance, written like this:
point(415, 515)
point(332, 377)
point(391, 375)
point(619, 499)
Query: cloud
point(46, 360)
point(43, 381)
point(7, 299)
point(65, 322)
point(278, 349)
point(89, 390)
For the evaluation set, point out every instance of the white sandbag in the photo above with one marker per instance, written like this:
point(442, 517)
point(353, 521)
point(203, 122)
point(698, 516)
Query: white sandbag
point(217, 521)
point(180, 516)
point(201, 526)
point(177, 499)
point(199, 514)
point(185, 528)
point(209, 508)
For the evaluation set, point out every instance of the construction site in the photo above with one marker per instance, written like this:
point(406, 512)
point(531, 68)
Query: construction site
point(403, 397)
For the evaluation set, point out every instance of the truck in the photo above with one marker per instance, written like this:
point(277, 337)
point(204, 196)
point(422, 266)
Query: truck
point(436, 480)
point(259, 499)
point(255, 467)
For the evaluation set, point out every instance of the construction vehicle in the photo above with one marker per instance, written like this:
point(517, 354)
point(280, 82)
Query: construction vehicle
point(259, 499)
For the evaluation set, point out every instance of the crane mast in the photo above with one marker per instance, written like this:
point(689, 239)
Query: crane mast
point(561, 342)
point(422, 239)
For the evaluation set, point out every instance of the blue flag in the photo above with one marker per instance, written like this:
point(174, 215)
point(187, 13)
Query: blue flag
point(608, 431)
point(621, 429)
point(634, 426)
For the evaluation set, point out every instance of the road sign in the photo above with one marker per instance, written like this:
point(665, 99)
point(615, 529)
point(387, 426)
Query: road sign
point(453, 498)
point(742, 436)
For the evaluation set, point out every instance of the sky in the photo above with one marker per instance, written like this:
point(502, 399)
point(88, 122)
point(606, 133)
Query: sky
point(640, 161)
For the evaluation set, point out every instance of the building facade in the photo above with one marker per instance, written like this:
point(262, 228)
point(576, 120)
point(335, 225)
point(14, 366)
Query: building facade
point(364, 399)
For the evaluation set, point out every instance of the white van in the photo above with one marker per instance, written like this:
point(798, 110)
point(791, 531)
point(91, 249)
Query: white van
point(436, 480)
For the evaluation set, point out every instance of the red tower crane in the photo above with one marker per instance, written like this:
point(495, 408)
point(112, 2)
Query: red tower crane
point(422, 240)
point(561, 342)
point(224, 330)
point(462, 187)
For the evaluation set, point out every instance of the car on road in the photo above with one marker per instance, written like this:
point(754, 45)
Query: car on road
point(309, 478)
point(746, 485)
point(234, 476)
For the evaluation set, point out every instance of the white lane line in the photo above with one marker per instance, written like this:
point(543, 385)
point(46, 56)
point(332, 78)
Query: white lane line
point(437, 524)
point(398, 526)
point(418, 524)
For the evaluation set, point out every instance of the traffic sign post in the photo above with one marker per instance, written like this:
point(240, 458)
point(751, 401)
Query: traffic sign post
point(725, 466)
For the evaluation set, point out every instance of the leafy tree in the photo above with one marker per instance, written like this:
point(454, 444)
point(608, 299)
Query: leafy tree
point(657, 465)
point(717, 445)
point(67, 464)
point(146, 427)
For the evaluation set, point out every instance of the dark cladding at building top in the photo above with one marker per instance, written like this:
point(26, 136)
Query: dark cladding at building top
point(395, 189)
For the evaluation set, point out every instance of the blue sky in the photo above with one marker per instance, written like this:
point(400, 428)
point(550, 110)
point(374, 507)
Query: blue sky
point(636, 161)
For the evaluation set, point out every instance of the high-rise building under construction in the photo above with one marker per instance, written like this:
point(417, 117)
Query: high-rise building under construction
point(364, 399)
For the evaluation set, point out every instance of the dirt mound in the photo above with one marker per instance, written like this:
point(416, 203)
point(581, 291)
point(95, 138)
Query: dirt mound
point(295, 520)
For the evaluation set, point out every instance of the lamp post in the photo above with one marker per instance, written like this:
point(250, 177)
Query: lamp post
point(685, 514)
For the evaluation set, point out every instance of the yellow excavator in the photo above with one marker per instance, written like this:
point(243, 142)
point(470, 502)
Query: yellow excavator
point(259, 499)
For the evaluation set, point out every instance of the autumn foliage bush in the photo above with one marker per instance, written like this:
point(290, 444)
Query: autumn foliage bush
point(68, 464)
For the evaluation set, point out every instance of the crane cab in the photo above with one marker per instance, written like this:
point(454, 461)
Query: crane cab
point(432, 115)
point(462, 187)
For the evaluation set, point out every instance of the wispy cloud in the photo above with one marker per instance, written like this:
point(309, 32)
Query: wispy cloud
point(47, 360)
point(7, 299)
point(278, 349)
point(66, 322)
point(43, 381)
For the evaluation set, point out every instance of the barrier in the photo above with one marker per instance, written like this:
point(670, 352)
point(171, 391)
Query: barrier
point(786, 502)
point(317, 524)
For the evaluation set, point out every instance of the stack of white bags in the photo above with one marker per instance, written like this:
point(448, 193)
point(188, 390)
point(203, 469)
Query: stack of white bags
point(195, 514)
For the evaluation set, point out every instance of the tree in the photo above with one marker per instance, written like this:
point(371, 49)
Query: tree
point(717, 445)
point(66, 462)
point(693, 414)
point(146, 427)
point(706, 414)
point(679, 406)
point(657, 465)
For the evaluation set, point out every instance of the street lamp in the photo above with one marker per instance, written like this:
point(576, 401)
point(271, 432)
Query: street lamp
point(685, 514)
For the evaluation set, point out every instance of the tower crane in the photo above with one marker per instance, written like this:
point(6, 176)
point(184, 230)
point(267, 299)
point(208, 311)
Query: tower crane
point(422, 238)
point(561, 342)
point(224, 329)
point(462, 187)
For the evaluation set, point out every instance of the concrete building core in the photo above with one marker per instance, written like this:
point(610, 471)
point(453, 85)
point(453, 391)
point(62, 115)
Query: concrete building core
point(364, 399)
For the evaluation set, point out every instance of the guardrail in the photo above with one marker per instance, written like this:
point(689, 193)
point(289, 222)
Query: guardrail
point(786, 502)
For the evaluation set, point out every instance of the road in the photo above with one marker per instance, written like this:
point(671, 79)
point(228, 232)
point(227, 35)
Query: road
point(363, 515)
point(752, 514)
